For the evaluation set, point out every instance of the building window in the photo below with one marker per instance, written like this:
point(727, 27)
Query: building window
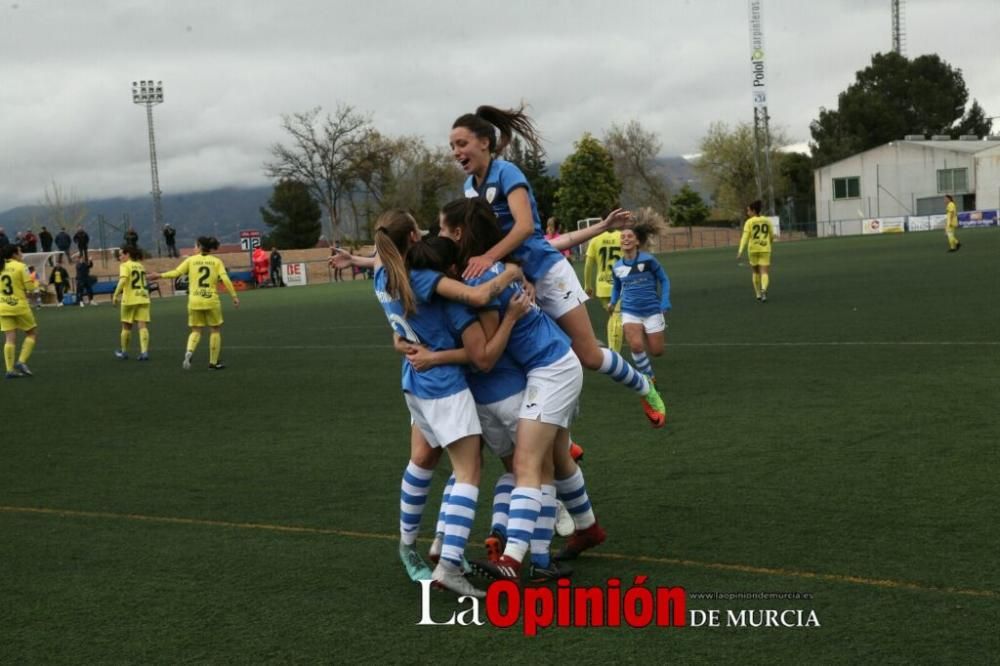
point(953, 180)
point(847, 188)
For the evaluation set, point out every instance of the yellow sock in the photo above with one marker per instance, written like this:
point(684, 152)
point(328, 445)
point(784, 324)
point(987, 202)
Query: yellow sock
point(214, 347)
point(143, 340)
point(765, 280)
point(8, 356)
point(27, 347)
point(126, 335)
point(193, 341)
point(615, 334)
point(952, 240)
point(756, 283)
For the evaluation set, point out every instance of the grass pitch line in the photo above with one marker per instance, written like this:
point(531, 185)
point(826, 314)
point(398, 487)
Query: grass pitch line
point(716, 566)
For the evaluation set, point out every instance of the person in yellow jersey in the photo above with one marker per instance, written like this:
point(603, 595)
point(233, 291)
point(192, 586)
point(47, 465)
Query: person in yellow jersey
point(758, 234)
point(602, 253)
point(951, 223)
point(204, 272)
point(15, 311)
point(134, 294)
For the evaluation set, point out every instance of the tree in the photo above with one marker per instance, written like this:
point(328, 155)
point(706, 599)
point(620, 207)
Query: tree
point(797, 200)
point(688, 209)
point(62, 209)
point(532, 163)
point(893, 97)
point(293, 216)
point(727, 164)
point(634, 151)
point(588, 186)
point(322, 155)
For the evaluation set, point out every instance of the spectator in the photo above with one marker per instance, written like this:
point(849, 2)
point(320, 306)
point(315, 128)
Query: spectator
point(30, 242)
point(552, 231)
point(82, 240)
point(259, 262)
point(59, 279)
point(4, 241)
point(83, 280)
point(170, 238)
point(131, 237)
point(276, 278)
point(63, 241)
point(36, 288)
point(46, 239)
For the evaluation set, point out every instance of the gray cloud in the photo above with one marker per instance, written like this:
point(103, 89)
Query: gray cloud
point(231, 69)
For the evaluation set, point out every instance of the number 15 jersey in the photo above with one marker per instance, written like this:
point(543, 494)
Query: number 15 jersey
point(204, 272)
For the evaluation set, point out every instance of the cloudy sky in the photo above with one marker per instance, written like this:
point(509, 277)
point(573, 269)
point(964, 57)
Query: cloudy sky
point(230, 69)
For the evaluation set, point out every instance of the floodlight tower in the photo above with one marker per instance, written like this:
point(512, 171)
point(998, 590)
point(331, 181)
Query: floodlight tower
point(150, 93)
point(761, 118)
point(898, 29)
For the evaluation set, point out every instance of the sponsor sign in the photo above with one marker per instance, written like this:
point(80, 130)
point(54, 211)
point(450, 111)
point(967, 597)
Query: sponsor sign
point(295, 275)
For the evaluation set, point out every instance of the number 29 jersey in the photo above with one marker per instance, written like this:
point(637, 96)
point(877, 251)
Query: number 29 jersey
point(759, 232)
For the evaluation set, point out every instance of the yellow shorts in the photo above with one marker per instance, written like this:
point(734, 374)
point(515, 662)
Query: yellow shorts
point(759, 258)
point(23, 322)
point(134, 313)
point(212, 317)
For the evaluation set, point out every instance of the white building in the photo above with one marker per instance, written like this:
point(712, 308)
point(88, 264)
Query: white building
point(909, 177)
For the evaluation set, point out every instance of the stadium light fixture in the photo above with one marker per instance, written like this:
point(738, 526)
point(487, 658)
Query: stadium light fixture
point(149, 93)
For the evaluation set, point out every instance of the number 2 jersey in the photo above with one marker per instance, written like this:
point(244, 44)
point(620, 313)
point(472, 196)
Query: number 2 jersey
point(635, 285)
point(759, 232)
point(15, 281)
point(204, 271)
point(132, 284)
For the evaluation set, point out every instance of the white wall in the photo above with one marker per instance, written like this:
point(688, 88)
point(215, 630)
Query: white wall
point(988, 179)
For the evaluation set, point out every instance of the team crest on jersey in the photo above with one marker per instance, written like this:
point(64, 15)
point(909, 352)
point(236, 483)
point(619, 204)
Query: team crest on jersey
point(491, 194)
point(641, 267)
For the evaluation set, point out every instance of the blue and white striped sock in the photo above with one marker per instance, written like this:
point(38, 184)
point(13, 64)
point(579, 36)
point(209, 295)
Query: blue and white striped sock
point(413, 489)
point(572, 492)
point(458, 522)
point(525, 505)
point(642, 363)
point(618, 369)
point(541, 538)
point(501, 503)
point(444, 505)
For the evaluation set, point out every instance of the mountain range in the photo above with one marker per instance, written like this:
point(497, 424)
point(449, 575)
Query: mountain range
point(223, 212)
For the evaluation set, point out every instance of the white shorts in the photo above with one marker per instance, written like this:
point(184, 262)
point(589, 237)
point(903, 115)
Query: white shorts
point(444, 420)
point(559, 290)
point(552, 392)
point(652, 324)
point(499, 422)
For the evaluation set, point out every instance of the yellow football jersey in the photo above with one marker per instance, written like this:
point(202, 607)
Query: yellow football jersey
point(15, 281)
point(602, 253)
point(132, 284)
point(951, 215)
point(204, 272)
point(759, 232)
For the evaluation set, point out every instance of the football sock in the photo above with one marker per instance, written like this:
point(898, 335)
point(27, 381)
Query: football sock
point(765, 279)
point(525, 505)
point(642, 363)
point(541, 538)
point(193, 341)
point(461, 513)
point(413, 491)
point(8, 356)
point(124, 338)
point(952, 240)
point(143, 340)
point(27, 347)
point(443, 511)
point(756, 284)
point(616, 367)
point(214, 347)
point(501, 503)
point(615, 332)
point(572, 492)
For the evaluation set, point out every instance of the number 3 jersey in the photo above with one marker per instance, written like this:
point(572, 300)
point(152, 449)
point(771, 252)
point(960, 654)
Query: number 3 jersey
point(204, 272)
point(635, 285)
point(15, 280)
point(132, 284)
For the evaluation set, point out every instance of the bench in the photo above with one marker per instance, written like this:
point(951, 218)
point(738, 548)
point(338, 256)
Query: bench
point(108, 287)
